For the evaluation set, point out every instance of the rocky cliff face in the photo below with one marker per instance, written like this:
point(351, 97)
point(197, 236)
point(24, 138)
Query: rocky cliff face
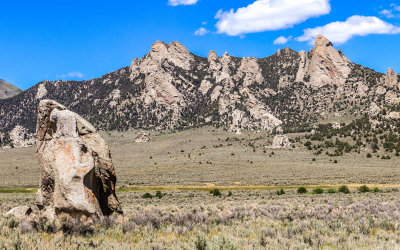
point(8, 90)
point(172, 88)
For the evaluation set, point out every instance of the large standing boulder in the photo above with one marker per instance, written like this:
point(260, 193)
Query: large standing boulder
point(142, 137)
point(77, 176)
point(280, 141)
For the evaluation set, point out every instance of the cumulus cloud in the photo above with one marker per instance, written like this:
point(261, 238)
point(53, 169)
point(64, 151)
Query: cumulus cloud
point(73, 74)
point(282, 40)
point(341, 32)
point(201, 31)
point(266, 15)
point(182, 2)
point(387, 13)
point(394, 12)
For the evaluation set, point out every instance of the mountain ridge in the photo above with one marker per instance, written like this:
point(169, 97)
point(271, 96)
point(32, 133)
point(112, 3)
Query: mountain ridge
point(8, 90)
point(172, 88)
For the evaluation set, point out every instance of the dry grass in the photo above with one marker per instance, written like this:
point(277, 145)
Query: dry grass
point(186, 165)
point(204, 161)
point(252, 219)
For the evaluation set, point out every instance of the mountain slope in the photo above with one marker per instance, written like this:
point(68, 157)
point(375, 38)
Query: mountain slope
point(172, 88)
point(8, 90)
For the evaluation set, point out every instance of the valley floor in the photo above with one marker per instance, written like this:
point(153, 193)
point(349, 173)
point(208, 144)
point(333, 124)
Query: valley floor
point(249, 214)
point(209, 156)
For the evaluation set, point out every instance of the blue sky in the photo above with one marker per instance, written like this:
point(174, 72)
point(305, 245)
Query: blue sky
point(51, 40)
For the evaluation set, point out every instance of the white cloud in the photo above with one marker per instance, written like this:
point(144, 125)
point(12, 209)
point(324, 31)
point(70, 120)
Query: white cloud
point(73, 74)
point(266, 15)
point(341, 32)
point(282, 40)
point(387, 13)
point(201, 31)
point(182, 2)
point(394, 12)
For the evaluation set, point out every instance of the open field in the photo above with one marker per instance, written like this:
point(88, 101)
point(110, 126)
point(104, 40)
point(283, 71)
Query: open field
point(249, 214)
point(209, 156)
point(250, 219)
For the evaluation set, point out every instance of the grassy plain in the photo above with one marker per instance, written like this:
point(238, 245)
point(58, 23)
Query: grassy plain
point(185, 165)
point(208, 157)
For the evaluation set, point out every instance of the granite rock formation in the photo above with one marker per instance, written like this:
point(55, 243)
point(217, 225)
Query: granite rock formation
point(77, 174)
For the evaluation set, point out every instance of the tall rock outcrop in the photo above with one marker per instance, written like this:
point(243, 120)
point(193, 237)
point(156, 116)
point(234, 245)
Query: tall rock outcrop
point(326, 66)
point(77, 176)
point(391, 78)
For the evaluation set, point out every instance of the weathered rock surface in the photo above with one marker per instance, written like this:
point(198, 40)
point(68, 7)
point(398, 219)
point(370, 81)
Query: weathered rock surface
point(21, 138)
point(391, 78)
point(327, 66)
point(394, 115)
point(77, 174)
point(142, 137)
point(20, 212)
point(392, 98)
point(280, 141)
point(374, 110)
point(336, 125)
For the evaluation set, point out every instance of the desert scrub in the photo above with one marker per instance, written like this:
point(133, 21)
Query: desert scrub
point(331, 191)
point(215, 192)
point(147, 196)
point(159, 194)
point(344, 189)
point(363, 189)
point(318, 191)
point(302, 190)
point(253, 220)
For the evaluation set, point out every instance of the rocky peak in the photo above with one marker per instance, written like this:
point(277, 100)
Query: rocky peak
point(327, 65)
point(158, 50)
point(174, 52)
point(212, 56)
point(322, 41)
point(391, 78)
point(283, 51)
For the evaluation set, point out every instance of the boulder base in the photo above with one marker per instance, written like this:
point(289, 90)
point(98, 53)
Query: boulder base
point(20, 213)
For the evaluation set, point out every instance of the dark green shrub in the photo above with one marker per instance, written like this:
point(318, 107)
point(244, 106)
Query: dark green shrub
point(335, 161)
point(147, 196)
point(344, 189)
point(369, 155)
point(301, 190)
point(331, 191)
point(363, 189)
point(215, 192)
point(280, 192)
point(230, 194)
point(318, 191)
point(159, 195)
point(376, 190)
